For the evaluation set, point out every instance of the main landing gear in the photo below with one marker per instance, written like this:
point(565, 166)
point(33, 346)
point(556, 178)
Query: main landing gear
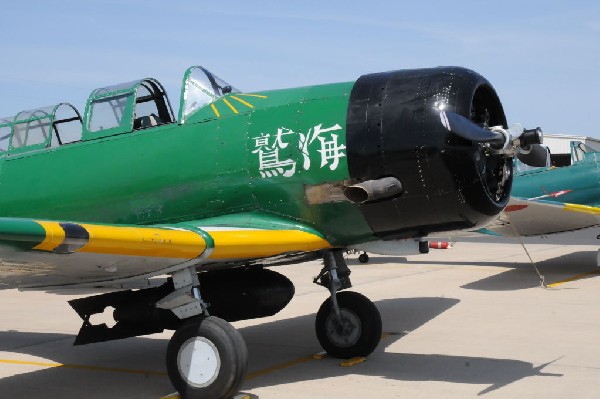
point(207, 356)
point(348, 324)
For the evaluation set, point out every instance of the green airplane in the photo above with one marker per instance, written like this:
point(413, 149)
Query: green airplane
point(239, 182)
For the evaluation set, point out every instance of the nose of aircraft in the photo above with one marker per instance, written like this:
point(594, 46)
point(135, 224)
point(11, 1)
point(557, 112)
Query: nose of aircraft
point(394, 130)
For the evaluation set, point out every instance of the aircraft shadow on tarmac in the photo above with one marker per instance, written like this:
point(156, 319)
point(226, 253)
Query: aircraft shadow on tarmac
point(521, 274)
point(400, 317)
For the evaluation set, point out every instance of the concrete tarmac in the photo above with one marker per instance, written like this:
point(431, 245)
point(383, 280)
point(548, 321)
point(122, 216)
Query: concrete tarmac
point(471, 321)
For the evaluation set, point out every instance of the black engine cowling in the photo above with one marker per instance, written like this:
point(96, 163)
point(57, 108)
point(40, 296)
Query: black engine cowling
point(394, 130)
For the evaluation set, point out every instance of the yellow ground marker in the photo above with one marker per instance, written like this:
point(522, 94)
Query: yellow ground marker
point(249, 376)
point(240, 395)
point(84, 367)
point(345, 363)
point(353, 362)
point(574, 278)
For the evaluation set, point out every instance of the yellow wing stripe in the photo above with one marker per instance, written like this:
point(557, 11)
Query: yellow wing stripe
point(184, 244)
point(143, 242)
point(582, 208)
point(55, 235)
point(132, 241)
point(241, 244)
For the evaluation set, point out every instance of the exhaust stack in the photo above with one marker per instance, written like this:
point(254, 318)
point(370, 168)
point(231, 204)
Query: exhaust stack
point(372, 190)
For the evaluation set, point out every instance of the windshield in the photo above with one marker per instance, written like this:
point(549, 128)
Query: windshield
point(201, 87)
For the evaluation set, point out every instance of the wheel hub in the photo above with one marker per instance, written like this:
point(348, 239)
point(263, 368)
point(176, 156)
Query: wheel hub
point(345, 331)
point(199, 362)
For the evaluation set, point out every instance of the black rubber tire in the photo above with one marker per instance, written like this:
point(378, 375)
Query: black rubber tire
point(232, 351)
point(363, 258)
point(369, 333)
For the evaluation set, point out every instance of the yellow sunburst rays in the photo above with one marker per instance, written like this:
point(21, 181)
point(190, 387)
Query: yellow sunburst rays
point(237, 100)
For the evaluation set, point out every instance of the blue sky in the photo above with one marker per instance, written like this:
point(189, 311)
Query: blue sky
point(543, 57)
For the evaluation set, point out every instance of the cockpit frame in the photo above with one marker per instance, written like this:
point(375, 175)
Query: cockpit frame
point(126, 107)
point(40, 128)
point(113, 110)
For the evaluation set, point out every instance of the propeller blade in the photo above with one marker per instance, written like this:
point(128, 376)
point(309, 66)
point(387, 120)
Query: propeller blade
point(466, 129)
point(537, 156)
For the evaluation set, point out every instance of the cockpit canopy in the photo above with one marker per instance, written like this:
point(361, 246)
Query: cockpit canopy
point(125, 107)
point(40, 128)
point(112, 110)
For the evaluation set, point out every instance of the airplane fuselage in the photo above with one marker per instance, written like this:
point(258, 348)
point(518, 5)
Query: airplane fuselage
point(200, 169)
point(286, 152)
point(578, 183)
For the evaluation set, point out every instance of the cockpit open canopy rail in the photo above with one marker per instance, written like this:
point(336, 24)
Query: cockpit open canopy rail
point(109, 111)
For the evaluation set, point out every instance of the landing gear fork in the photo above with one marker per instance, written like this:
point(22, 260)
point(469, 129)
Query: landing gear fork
point(348, 324)
point(331, 279)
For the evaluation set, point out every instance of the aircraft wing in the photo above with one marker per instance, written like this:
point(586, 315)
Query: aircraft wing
point(43, 253)
point(536, 217)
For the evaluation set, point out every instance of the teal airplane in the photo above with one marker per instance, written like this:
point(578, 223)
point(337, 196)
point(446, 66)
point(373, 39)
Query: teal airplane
point(577, 183)
point(540, 193)
point(236, 183)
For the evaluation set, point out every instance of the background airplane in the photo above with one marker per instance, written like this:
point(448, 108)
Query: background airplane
point(549, 204)
point(577, 183)
point(237, 182)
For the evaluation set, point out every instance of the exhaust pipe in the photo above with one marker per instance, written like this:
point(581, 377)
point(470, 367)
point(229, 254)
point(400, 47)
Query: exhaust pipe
point(372, 190)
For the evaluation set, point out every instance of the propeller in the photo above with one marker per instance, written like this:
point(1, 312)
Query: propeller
point(519, 142)
point(466, 129)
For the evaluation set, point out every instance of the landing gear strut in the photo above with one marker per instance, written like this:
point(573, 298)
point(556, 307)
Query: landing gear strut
point(207, 356)
point(348, 324)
